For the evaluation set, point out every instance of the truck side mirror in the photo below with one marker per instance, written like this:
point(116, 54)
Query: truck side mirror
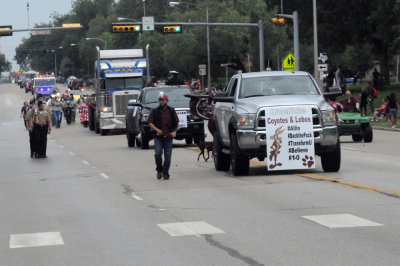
point(223, 97)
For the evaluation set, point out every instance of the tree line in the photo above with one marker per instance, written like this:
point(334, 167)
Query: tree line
point(354, 34)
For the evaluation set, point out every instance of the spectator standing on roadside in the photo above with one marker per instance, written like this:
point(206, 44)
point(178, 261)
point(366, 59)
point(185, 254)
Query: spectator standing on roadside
point(164, 121)
point(371, 96)
point(340, 79)
point(376, 77)
point(364, 101)
point(393, 107)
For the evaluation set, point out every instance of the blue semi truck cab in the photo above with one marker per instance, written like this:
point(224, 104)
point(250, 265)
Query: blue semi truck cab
point(120, 77)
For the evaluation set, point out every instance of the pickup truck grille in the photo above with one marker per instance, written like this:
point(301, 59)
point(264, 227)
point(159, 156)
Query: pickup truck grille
point(261, 119)
point(120, 102)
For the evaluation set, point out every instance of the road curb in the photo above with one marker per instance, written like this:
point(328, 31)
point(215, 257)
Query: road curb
point(387, 129)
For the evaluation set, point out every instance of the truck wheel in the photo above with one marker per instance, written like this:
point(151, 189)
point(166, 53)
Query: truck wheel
point(240, 163)
point(131, 139)
point(221, 160)
point(331, 160)
point(357, 137)
point(367, 133)
point(103, 132)
point(96, 127)
point(144, 142)
point(189, 140)
point(91, 119)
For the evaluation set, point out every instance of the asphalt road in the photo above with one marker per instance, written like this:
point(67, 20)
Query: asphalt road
point(95, 201)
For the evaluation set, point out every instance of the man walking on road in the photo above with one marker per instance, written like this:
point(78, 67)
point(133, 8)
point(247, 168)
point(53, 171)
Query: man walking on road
point(42, 127)
point(164, 121)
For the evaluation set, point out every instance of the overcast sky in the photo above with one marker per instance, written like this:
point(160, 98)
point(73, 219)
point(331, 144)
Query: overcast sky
point(14, 12)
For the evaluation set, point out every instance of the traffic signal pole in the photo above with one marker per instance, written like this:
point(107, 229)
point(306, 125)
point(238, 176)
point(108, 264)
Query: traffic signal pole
point(259, 25)
point(295, 19)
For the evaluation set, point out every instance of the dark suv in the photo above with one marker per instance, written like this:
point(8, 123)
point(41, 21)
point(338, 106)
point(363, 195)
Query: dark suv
point(137, 128)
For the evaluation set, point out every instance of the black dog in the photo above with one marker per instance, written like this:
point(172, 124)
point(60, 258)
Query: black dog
point(203, 146)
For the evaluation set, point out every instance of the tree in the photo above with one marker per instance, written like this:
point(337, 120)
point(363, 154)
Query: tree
point(5, 65)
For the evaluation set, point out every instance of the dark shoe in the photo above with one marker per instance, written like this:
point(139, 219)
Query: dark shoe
point(166, 176)
point(44, 157)
point(159, 175)
point(37, 155)
point(32, 154)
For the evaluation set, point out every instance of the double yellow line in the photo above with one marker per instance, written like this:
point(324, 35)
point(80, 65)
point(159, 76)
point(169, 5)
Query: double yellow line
point(338, 181)
point(334, 180)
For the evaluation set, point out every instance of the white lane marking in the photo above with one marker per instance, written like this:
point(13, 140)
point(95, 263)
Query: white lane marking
point(85, 162)
point(162, 209)
point(93, 167)
point(104, 175)
point(36, 240)
point(350, 149)
point(71, 153)
point(190, 229)
point(341, 220)
point(61, 146)
point(136, 197)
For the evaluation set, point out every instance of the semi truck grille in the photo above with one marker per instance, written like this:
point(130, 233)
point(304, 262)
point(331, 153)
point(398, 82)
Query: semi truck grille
point(261, 118)
point(120, 102)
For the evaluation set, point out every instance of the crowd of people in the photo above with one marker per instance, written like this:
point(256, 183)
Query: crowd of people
point(42, 113)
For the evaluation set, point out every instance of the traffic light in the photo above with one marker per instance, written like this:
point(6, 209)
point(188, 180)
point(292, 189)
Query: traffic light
point(5, 30)
point(278, 20)
point(123, 28)
point(172, 29)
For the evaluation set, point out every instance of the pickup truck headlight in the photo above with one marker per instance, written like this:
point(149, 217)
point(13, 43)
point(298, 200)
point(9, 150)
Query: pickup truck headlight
point(329, 117)
point(145, 117)
point(246, 120)
point(106, 109)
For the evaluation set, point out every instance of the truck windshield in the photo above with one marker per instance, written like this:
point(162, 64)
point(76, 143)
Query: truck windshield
point(124, 83)
point(44, 82)
point(277, 85)
point(174, 94)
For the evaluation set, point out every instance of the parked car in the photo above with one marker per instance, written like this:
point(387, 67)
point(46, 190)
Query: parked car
point(137, 128)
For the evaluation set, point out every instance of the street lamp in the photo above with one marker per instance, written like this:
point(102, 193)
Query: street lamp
point(55, 60)
point(174, 4)
point(105, 42)
point(122, 19)
point(226, 71)
point(73, 64)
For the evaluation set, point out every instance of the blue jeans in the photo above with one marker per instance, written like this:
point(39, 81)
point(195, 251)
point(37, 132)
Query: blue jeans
point(159, 145)
point(57, 118)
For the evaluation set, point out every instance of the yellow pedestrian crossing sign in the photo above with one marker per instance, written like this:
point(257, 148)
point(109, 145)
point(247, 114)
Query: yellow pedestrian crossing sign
point(288, 63)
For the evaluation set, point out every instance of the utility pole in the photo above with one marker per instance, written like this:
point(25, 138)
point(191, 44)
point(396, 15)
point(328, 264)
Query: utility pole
point(27, 8)
point(295, 19)
point(316, 74)
point(208, 55)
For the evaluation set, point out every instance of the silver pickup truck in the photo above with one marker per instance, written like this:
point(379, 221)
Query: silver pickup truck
point(240, 121)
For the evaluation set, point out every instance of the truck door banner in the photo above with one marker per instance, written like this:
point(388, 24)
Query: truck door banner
point(290, 138)
point(182, 116)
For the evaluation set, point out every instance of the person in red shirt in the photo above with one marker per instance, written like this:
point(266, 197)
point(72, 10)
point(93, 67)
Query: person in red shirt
point(164, 121)
point(350, 103)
